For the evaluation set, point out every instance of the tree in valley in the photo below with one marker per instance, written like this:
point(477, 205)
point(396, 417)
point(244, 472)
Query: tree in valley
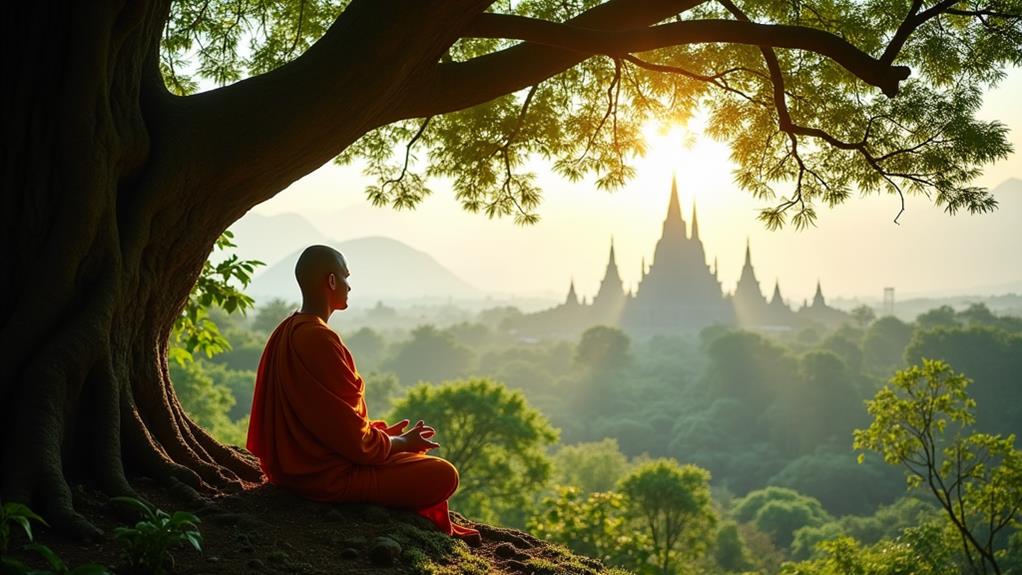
point(921, 422)
point(595, 525)
point(780, 512)
point(270, 314)
point(883, 346)
point(430, 355)
point(591, 467)
point(672, 504)
point(495, 439)
point(118, 177)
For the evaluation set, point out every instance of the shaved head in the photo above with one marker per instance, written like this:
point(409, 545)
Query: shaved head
point(314, 266)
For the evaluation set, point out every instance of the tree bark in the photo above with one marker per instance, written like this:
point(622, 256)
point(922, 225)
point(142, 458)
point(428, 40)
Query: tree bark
point(95, 271)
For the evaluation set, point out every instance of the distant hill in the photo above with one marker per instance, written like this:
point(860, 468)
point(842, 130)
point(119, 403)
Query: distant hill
point(381, 269)
point(271, 238)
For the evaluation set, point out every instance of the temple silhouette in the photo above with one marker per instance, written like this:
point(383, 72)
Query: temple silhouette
point(678, 292)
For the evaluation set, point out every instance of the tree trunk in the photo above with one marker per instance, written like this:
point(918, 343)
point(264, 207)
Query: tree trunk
point(114, 193)
point(100, 254)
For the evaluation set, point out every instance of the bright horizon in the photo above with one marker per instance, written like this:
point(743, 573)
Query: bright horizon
point(855, 250)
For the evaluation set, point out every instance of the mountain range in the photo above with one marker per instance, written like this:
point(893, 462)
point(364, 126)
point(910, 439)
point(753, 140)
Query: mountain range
point(381, 269)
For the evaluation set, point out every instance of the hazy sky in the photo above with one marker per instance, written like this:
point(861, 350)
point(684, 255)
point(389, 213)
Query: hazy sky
point(855, 250)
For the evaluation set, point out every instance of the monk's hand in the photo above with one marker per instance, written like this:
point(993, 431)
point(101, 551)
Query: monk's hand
point(396, 428)
point(415, 440)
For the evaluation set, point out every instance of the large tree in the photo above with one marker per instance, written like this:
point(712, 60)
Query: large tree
point(118, 176)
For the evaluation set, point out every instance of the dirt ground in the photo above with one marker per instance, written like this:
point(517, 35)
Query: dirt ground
point(267, 530)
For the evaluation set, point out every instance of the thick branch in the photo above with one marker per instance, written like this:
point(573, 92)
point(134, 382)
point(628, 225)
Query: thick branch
point(253, 138)
point(590, 41)
point(457, 85)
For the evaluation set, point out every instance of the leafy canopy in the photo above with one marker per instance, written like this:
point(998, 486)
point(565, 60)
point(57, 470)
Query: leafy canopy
point(495, 439)
point(922, 421)
point(803, 130)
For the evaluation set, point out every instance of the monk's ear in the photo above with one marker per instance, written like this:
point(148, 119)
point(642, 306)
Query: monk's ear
point(331, 280)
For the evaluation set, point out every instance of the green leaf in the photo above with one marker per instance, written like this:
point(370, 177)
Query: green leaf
point(195, 539)
point(145, 509)
point(25, 526)
point(47, 554)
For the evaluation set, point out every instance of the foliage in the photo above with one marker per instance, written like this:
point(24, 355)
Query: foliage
point(17, 514)
point(729, 550)
point(218, 285)
point(209, 402)
point(884, 343)
point(993, 359)
point(830, 475)
point(269, 315)
point(380, 391)
point(673, 504)
point(148, 545)
point(603, 348)
point(430, 355)
point(368, 347)
point(495, 439)
point(591, 467)
point(594, 524)
point(780, 512)
point(920, 420)
point(922, 550)
point(802, 128)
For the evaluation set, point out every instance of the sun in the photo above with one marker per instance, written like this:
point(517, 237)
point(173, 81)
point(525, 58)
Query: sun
point(701, 165)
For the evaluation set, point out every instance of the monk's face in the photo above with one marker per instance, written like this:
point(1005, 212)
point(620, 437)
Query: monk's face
point(338, 285)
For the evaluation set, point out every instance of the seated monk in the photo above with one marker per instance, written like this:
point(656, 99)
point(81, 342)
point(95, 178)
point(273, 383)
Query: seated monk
point(309, 425)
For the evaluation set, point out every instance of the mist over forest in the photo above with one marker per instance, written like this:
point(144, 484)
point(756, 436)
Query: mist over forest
point(767, 415)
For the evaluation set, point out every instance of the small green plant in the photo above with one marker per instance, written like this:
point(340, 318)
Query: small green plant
point(17, 514)
point(148, 544)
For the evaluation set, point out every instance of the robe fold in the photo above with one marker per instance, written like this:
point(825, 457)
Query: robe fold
point(312, 434)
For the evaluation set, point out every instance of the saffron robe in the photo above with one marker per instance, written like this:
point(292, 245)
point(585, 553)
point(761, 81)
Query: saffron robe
point(311, 431)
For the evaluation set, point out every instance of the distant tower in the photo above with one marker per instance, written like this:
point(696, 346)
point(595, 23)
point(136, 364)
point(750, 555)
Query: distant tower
point(695, 222)
point(888, 301)
point(609, 301)
point(777, 299)
point(818, 300)
point(572, 299)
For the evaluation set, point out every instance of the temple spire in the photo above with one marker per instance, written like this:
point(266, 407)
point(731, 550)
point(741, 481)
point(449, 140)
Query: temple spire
point(777, 293)
point(613, 261)
point(572, 298)
point(674, 224)
point(818, 298)
point(748, 253)
point(695, 222)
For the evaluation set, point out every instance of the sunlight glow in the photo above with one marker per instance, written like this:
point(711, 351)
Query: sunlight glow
point(701, 165)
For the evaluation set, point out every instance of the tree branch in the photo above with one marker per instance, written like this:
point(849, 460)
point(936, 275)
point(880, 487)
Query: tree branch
point(453, 86)
point(618, 43)
point(253, 138)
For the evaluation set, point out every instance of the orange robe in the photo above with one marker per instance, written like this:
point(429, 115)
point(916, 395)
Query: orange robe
point(312, 434)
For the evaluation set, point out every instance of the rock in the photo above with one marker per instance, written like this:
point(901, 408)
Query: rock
point(505, 550)
point(255, 563)
point(349, 553)
point(384, 551)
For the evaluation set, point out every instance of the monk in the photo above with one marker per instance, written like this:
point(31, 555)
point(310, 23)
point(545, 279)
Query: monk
point(310, 428)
